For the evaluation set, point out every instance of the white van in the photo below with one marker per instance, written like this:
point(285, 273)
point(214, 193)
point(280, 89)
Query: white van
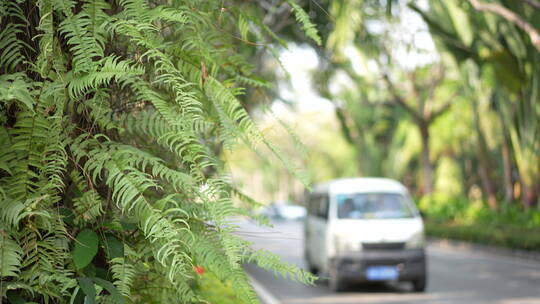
point(364, 229)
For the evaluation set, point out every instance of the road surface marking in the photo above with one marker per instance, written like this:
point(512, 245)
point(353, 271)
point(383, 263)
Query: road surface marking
point(264, 294)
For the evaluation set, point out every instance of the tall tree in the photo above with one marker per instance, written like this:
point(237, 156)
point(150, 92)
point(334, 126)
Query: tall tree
point(420, 103)
point(413, 90)
point(500, 37)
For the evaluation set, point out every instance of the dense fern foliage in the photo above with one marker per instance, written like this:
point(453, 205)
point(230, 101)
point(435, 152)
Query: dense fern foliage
point(112, 112)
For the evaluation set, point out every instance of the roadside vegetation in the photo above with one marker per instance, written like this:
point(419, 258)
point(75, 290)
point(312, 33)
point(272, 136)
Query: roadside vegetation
point(460, 219)
point(441, 95)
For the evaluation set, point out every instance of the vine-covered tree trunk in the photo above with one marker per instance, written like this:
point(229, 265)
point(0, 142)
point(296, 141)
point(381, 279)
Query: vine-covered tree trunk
point(485, 165)
point(427, 166)
point(508, 179)
point(529, 195)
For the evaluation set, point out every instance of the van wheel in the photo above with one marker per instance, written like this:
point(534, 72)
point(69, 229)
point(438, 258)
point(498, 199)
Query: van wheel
point(335, 282)
point(312, 268)
point(419, 285)
point(309, 264)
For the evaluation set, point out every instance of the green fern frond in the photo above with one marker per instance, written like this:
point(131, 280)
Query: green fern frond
point(252, 81)
point(297, 141)
point(273, 262)
point(237, 124)
point(46, 41)
point(15, 87)
point(303, 18)
point(85, 47)
point(10, 56)
point(168, 14)
point(136, 9)
point(10, 257)
point(12, 49)
point(123, 274)
point(243, 27)
point(210, 256)
point(88, 205)
point(95, 10)
point(264, 29)
point(129, 186)
point(45, 258)
point(11, 212)
point(110, 68)
point(99, 110)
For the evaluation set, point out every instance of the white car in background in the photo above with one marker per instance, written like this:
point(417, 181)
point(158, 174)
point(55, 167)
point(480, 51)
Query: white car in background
point(364, 229)
point(284, 212)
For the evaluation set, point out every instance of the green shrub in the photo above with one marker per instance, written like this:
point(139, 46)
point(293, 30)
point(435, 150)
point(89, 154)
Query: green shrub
point(511, 237)
point(461, 210)
point(461, 219)
point(442, 207)
point(111, 114)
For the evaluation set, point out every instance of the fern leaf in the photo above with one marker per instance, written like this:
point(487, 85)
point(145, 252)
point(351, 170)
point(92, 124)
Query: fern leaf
point(88, 206)
point(237, 124)
point(14, 87)
point(123, 274)
point(111, 68)
point(303, 18)
point(10, 257)
point(273, 262)
point(11, 212)
point(12, 49)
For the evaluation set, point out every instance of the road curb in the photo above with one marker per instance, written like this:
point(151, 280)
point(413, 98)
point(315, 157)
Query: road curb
point(468, 246)
point(264, 295)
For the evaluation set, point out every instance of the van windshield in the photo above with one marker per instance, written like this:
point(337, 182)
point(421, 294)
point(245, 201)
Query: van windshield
point(373, 206)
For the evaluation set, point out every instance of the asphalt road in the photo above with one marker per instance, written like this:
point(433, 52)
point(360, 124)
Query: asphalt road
point(454, 276)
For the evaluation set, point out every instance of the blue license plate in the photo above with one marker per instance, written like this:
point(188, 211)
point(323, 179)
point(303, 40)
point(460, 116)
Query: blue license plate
point(382, 273)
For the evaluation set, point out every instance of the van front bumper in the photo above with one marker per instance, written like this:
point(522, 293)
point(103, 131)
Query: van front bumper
point(353, 266)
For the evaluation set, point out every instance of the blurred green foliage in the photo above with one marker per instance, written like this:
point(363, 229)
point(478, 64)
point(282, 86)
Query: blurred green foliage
point(326, 155)
point(463, 211)
point(462, 127)
point(214, 291)
point(460, 219)
point(501, 236)
point(457, 124)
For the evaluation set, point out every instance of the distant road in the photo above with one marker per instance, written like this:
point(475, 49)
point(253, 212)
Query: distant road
point(454, 276)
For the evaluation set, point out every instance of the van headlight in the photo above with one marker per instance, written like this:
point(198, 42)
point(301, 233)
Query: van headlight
point(417, 241)
point(344, 244)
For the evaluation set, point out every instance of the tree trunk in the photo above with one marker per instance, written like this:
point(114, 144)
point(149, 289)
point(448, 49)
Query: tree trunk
point(484, 162)
point(427, 167)
point(484, 165)
point(508, 179)
point(487, 184)
point(529, 195)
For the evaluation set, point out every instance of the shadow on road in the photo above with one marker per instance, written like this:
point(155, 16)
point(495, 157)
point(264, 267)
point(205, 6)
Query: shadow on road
point(373, 287)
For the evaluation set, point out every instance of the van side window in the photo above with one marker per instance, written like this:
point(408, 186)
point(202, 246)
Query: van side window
point(322, 211)
point(312, 205)
point(317, 205)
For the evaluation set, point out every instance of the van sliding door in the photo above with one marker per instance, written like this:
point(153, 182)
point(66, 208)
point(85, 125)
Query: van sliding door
point(320, 222)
